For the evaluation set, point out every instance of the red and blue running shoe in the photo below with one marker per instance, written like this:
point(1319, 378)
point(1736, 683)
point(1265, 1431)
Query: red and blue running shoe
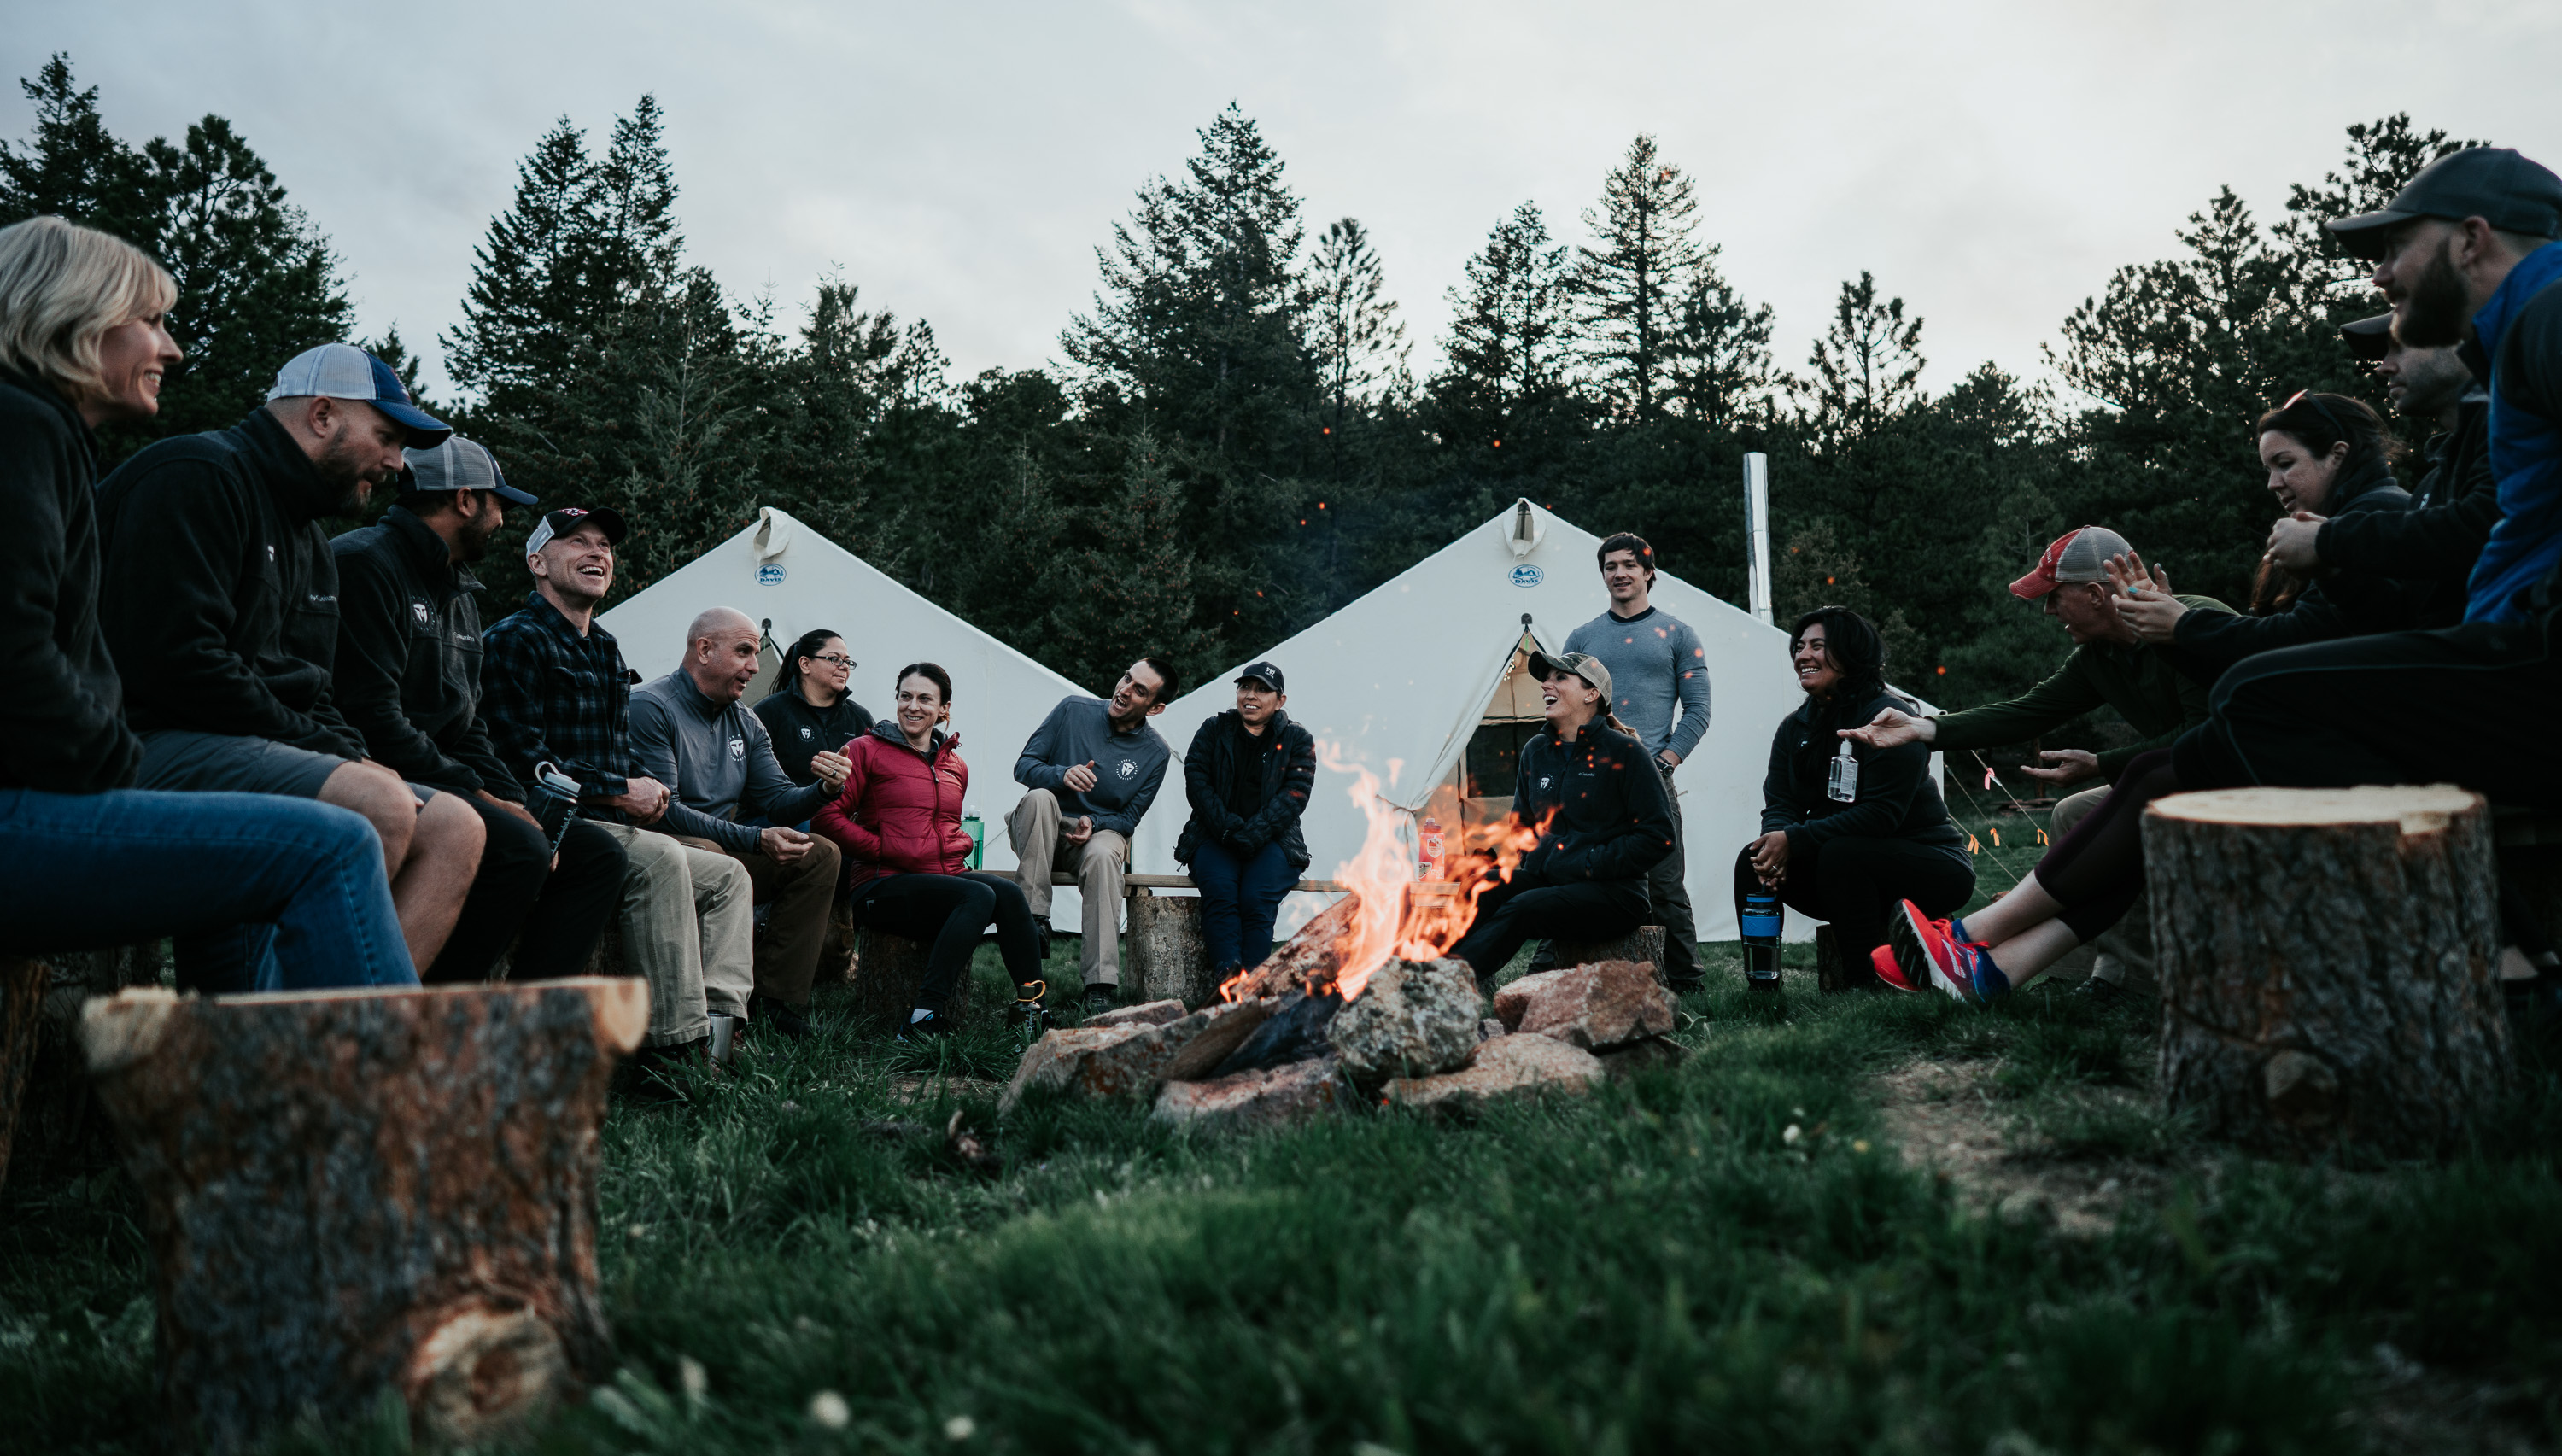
point(1928, 954)
point(1888, 972)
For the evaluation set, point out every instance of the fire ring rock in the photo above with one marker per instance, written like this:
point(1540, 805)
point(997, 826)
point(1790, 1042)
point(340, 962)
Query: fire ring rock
point(1508, 1066)
point(1592, 1006)
point(1132, 1059)
point(1413, 1019)
point(1264, 1097)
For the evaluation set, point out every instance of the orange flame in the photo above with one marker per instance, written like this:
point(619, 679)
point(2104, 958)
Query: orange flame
point(1396, 914)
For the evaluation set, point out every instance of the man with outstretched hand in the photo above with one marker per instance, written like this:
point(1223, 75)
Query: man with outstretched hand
point(408, 678)
point(689, 729)
point(558, 695)
point(1093, 767)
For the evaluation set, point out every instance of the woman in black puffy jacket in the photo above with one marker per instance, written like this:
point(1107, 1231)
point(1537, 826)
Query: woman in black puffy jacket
point(1849, 860)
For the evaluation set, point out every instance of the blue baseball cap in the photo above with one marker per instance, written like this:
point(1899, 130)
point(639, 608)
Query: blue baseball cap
point(457, 465)
point(345, 372)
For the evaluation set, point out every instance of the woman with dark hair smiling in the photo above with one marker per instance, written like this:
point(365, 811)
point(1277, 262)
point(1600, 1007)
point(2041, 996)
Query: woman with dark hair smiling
point(1846, 843)
point(907, 858)
point(810, 711)
point(2326, 456)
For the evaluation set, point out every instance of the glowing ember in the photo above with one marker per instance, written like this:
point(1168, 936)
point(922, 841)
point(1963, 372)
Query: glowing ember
point(1393, 913)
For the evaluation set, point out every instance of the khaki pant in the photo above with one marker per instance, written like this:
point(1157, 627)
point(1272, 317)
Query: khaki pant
point(2125, 949)
point(787, 950)
point(1098, 865)
point(688, 923)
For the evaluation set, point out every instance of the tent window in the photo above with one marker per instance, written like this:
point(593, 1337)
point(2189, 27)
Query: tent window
point(1494, 758)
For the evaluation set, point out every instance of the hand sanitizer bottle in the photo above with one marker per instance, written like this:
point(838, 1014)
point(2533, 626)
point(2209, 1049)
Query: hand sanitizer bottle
point(1843, 784)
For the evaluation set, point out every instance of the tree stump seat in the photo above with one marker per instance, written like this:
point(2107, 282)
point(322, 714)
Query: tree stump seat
point(2327, 962)
point(887, 972)
point(1645, 943)
point(352, 1191)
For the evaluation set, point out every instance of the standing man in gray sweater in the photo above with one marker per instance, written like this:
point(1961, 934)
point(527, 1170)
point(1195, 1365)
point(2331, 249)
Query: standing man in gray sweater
point(690, 732)
point(1659, 677)
point(1093, 767)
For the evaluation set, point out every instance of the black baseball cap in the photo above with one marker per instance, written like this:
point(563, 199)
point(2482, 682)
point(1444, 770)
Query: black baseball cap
point(2492, 183)
point(1266, 672)
point(570, 518)
point(2369, 339)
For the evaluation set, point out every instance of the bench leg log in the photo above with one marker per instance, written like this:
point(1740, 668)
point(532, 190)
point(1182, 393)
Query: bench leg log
point(22, 1013)
point(2327, 962)
point(357, 1190)
point(889, 970)
point(1167, 961)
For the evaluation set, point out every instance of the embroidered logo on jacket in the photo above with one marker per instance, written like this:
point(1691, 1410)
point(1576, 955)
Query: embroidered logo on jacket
point(738, 748)
point(417, 610)
point(1129, 768)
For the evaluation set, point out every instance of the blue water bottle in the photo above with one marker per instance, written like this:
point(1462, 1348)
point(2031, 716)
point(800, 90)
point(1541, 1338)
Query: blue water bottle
point(1761, 917)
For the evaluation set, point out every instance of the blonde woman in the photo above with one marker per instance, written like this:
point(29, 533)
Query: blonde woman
point(88, 861)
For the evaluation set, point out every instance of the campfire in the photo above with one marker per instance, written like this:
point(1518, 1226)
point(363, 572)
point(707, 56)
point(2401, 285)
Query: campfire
point(1364, 1006)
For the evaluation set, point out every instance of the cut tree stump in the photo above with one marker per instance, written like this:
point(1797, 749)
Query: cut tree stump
point(889, 968)
point(2327, 962)
point(22, 1013)
point(348, 1192)
point(1167, 961)
point(1645, 943)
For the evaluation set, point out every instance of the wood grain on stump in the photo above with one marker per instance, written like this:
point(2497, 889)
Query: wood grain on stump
point(22, 1013)
point(2327, 962)
point(348, 1192)
point(889, 970)
point(1645, 944)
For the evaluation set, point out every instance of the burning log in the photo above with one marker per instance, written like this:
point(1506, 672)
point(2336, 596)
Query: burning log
point(1305, 962)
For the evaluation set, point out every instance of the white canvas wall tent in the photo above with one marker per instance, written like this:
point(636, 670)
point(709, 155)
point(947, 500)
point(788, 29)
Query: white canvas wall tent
point(1420, 681)
point(784, 575)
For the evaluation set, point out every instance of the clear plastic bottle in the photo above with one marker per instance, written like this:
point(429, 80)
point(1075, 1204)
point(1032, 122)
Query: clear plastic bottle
point(1843, 783)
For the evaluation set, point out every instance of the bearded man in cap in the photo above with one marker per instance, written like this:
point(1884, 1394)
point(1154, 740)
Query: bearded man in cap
point(408, 678)
point(2110, 667)
point(219, 603)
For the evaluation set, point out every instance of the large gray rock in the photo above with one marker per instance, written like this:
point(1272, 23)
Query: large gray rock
point(1147, 1013)
point(1132, 1059)
point(1413, 1019)
point(1591, 1006)
point(1508, 1066)
point(1266, 1097)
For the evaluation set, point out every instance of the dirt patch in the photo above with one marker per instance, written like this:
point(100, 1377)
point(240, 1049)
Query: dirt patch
point(1948, 1118)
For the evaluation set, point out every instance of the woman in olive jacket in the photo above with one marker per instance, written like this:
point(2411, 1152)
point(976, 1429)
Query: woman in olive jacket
point(1850, 862)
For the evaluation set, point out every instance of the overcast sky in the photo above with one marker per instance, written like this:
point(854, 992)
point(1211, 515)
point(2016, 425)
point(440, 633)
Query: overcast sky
point(1991, 163)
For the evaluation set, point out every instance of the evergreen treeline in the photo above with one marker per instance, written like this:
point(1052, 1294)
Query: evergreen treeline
point(1234, 441)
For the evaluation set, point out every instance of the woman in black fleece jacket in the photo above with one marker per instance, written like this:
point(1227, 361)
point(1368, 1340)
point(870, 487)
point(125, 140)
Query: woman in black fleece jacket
point(1850, 862)
point(1597, 802)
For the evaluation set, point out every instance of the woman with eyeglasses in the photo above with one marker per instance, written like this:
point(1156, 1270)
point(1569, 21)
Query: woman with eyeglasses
point(2328, 455)
point(812, 711)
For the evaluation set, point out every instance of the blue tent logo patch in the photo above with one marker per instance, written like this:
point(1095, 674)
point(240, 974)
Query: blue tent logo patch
point(770, 574)
point(1527, 575)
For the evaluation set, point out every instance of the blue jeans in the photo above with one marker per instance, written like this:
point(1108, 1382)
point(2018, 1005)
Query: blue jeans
point(87, 871)
point(1240, 894)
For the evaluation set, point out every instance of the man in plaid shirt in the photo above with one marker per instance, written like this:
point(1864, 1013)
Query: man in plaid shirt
point(555, 691)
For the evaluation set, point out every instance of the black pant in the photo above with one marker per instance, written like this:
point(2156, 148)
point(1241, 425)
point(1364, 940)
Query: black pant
point(1854, 883)
point(553, 915)
point(2096, 873)
point(950, 910)
point(1511, 914)
point(2472, 705)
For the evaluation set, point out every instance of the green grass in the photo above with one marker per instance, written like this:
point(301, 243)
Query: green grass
point(1656, 1267)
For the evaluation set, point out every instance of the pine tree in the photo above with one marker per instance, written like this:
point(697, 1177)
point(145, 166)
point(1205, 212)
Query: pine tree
point(1718, 356)
point(1507, 348)
point(1358, 339)
point(1137, 589)
point(634, 253)
point(1629, 290)
point(1867, 364)
point(75, 168)
point(530, 297)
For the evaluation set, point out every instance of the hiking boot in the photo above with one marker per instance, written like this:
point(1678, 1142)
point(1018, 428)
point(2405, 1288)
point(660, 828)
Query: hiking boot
point(1928, 955)
point(2105, 994)
point(930, 1027)
point(1100, 998)
point(781, 1018)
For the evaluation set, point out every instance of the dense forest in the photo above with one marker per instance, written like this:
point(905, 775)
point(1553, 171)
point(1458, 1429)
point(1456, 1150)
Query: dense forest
point(1238, 436)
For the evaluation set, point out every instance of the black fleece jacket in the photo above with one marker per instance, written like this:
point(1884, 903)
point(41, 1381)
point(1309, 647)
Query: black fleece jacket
point(2433, 545)
point(408, 670)
point(221, 597)
point(1602, 797)
point(1896, 798)
point(1286, 767)
point(2343, 604)
point(61, 726)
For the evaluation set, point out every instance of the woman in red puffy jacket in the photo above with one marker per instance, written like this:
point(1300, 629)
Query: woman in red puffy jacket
point(907, 858)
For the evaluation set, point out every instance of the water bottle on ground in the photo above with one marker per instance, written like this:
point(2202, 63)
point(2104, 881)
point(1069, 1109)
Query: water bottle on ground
point(1761, 919)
